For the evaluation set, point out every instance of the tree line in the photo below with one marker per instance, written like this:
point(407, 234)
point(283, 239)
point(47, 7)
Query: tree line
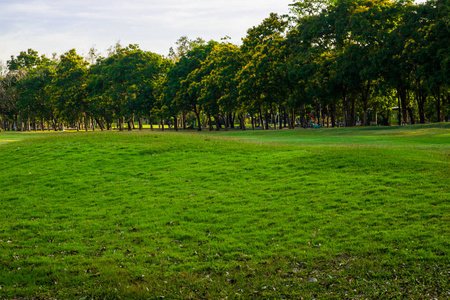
point(339, 63)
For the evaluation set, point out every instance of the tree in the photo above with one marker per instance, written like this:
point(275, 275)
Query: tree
point(25, 60)
point(182, 87)
point(9, 97)
point(70, 89)
point(184, 45)
point(126, 85)
point(219, 88)
point(427, 29)
point(11, 113)
point(36, 97)
point(263, 82)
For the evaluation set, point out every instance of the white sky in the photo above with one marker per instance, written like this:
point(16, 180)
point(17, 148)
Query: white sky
point(49, 26)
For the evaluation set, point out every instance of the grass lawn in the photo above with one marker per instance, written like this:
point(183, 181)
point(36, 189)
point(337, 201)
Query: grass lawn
point(13, 137)
point(329, 213)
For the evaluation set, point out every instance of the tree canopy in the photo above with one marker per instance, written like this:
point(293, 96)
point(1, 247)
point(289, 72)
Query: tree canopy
point(329, 63)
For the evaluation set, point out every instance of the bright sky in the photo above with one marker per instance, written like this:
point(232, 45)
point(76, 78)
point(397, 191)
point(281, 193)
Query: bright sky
point(49, 26)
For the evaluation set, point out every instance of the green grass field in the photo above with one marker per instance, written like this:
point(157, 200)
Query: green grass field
point(330, 213)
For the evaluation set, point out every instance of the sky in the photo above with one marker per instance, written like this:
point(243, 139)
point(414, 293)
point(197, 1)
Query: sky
point(56, 26)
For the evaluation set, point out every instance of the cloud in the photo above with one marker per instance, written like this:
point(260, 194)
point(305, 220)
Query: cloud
point(49, 26)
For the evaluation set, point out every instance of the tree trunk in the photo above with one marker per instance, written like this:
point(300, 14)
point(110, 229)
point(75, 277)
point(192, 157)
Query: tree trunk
point(242, 121)
point(217, 119)
point(344, 106)
point(328, 116)
point(253, 121)
point(421, 105)
point(437, 98)
point(86, 122)
point(226, 121)
point(210, 122)
point(317, 111)
point(99, 124)
point(365, 118)
point(280, 120)
point(292, 118)
point(18, 123)
point(444, 107)
point(353, 112)
point(323, 116)
point(411, 115)
point(199, 121)
point(333, 115)
point(376, 115)
point(402, 94)
point(288, 118)
point(302, 116)
point(274, 117)
point(175, 120)
point(261, 121)
point(204, 117)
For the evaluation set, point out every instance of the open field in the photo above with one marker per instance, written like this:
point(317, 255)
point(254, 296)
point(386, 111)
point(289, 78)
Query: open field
point(429, 135)
point(13, 137)
point(331, 213)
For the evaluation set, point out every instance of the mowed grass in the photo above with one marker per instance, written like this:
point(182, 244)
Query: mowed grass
point(331, 213)
point(13, 137)
point(411, 136)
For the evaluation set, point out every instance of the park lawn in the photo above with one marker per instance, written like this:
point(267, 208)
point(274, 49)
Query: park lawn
point(330, 213)
point(7, 137)
point(428, 135)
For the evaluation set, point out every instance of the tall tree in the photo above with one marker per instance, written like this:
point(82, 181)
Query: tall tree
point(219, 88)
point(9, 97)
point(264, 84)
point(182, 87)
point(36, 97)
point(126, 85)
point(70, 89)
point(25, 60)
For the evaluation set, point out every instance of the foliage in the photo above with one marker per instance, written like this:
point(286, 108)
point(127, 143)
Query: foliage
point(126, 84)
point(356, 62)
